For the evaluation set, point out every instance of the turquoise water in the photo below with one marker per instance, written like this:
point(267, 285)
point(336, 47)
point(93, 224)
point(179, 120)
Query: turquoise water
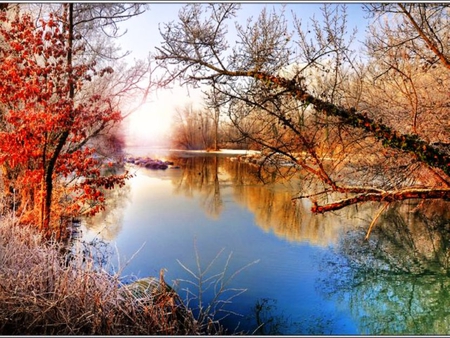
point(296, 265)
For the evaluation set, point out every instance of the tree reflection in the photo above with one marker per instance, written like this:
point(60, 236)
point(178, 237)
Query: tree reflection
point(109, 222)
point(270, 199)
point(201, 174)
point(397, 281)
point(268, 320)
point(276, 211)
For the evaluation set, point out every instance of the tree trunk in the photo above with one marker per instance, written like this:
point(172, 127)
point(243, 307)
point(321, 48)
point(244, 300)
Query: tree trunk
point(216, 128)
point(63, 138)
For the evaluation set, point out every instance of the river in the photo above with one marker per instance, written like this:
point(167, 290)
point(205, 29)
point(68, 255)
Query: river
point(280, 265)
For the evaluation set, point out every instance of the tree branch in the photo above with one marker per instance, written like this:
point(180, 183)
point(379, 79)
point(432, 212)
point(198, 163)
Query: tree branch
point(409, 143)
point(425, 38)
point(387, 196)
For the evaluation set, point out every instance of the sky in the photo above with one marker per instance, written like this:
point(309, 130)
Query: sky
point(152, 121)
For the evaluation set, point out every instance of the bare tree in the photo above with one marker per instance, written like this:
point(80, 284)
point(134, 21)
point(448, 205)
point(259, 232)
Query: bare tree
point(327, 128)
point(192, 129)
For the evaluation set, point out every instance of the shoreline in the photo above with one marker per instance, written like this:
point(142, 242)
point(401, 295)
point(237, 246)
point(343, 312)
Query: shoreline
point(145, 150)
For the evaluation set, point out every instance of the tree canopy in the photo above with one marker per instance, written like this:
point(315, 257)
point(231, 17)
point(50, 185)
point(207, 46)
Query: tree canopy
point(51, 111)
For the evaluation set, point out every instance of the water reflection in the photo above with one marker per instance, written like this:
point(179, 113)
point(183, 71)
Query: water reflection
point(201, 174)
point(396, 282)
point(270, 203)
point(110, 221)
point(171, 209)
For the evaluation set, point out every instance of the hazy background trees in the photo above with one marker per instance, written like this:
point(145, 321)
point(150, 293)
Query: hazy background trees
point(193, 129)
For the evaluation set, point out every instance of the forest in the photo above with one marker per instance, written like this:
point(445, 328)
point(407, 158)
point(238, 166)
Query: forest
point(368, 125)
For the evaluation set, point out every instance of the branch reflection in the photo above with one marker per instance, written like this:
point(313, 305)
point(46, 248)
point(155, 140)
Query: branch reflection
point(397, 281)
point(201, 174)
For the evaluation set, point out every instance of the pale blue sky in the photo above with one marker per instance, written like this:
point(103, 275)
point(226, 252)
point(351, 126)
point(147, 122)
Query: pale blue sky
point(143, 34)
point(153, 119)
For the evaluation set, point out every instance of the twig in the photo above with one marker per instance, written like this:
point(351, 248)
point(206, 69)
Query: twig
point(380, 211)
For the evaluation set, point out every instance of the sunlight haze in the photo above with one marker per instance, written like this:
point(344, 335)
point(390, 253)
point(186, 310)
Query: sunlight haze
point(151, 123)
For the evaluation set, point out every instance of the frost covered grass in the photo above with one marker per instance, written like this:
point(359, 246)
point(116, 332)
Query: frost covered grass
point(41, 293)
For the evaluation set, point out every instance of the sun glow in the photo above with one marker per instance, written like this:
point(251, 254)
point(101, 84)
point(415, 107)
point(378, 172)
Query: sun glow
point(151, 123)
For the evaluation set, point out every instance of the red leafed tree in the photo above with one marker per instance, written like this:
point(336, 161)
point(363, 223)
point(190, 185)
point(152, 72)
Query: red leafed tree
point(48, 167)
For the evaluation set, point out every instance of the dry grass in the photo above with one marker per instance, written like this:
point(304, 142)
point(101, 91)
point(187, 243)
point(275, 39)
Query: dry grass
point(42, 295)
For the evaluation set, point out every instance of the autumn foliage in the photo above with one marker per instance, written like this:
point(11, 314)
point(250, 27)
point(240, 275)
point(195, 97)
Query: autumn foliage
point(47, 119)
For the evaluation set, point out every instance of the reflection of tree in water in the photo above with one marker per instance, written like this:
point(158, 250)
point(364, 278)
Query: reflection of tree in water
point(269, 321)
point(397, 281)
point(201, 174)
point(276, 211)
point(271, 202)
point(108, 223)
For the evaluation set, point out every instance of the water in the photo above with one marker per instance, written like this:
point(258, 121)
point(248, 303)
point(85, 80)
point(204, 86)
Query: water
point(306, 274)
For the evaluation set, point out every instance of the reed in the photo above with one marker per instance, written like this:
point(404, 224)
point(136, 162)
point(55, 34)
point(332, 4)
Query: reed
point(41, 293)
point(211, 311)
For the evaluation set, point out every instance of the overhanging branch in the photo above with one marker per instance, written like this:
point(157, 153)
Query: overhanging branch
point(387, 196)
point(409, 143)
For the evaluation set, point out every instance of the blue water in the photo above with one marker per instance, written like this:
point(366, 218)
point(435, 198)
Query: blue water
point(163, 227)
point(310, 274)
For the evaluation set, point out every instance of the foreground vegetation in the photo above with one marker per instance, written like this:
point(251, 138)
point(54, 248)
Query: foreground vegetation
point(43, 293)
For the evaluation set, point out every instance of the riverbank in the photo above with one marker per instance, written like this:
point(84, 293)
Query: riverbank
point(43, 293)
point(154, 157)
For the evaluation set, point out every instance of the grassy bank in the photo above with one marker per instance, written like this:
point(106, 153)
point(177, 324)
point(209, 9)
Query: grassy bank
point(42, 294)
